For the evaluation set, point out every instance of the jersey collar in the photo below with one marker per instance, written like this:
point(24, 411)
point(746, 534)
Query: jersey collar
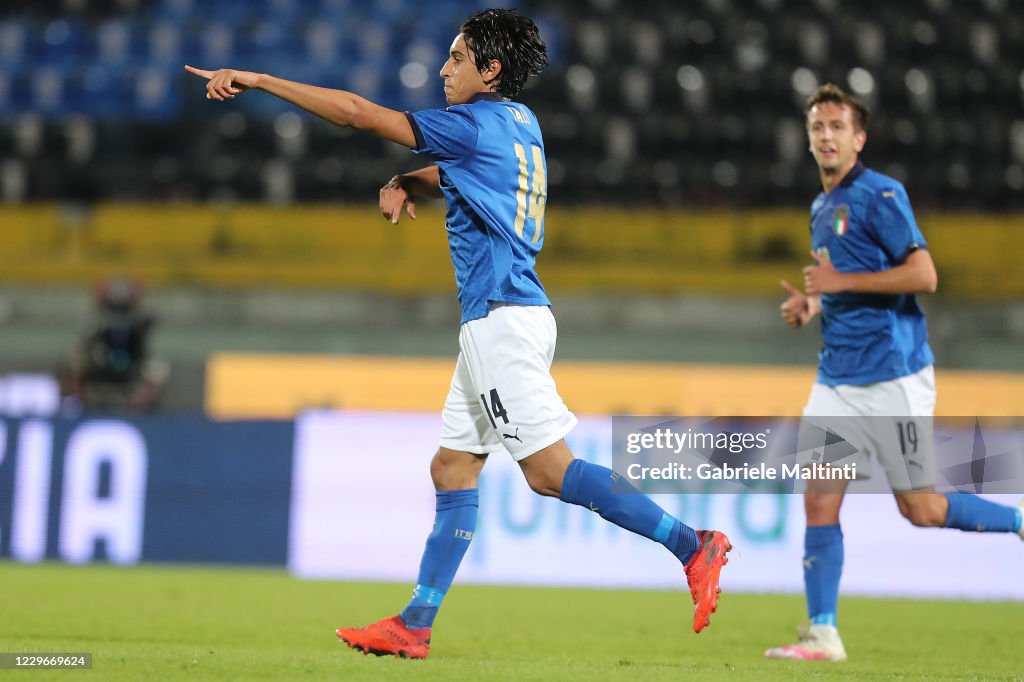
point(854, 173)
point(486, 96)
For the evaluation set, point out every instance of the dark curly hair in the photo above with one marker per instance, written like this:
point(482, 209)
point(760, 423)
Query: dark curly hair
point(513, 40)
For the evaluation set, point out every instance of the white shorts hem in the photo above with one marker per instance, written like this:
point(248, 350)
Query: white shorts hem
point(474, 449)
point(547, 441)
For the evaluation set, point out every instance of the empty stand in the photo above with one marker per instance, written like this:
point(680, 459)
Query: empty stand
point(656, 103)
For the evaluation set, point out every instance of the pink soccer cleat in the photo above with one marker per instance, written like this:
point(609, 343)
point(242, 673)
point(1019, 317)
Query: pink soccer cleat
point(814, 643)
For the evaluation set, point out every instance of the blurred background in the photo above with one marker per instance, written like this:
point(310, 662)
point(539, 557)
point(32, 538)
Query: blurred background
point(677, 162)
point(165, 255)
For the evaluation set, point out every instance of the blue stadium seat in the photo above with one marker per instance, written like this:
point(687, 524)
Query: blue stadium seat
point(388, 12)
point(114, 41)
point(167, 44)
point(217, 44)
point(375, 40)
point(174, 10)
point(48, 90)
point(101, 91)
point(268, 37)
point(7, 102)
point(281, 9)
point(64, 42)
point(323, 41)
point(155, 93)
point(16, 38)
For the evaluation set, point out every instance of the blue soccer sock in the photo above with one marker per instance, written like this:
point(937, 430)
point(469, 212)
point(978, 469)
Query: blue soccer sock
point(590, 485)
point(454, 525)
point(976, 514)
point(823, 566)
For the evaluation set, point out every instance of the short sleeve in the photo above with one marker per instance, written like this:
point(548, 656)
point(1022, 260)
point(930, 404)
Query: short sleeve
point(893, 224)
point(445, 134)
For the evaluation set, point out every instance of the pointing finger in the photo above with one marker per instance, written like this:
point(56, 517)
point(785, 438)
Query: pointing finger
point(202, 73)
point(790, 289)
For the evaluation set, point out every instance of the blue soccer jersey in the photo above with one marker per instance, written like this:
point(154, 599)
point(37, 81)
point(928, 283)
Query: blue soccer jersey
point(865, 224)
point(490, 157)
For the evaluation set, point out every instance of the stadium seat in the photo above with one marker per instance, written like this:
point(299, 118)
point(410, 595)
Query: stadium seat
point(7, 102)
point(15, 41)
point(114, 42)
point(64, 42)
point(155, 95)
point(166, 44)
point(48, 86)
point(101, 92)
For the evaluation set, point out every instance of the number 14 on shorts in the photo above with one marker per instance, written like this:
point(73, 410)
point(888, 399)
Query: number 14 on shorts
point(493, 407)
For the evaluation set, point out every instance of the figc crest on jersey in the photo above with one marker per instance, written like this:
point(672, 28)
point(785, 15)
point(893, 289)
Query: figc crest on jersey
point(841, 219)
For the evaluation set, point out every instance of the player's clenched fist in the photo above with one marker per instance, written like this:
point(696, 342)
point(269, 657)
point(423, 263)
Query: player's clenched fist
point(225, 83)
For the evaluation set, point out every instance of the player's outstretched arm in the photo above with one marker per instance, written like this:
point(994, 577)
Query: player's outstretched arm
point(340, 107)
point(915, 275)
point(402, 190)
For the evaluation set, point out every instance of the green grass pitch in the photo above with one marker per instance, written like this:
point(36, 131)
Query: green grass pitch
point(168, 623)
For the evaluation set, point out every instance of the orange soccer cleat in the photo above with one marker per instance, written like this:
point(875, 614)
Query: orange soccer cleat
point(388, 637)
point(702, 573)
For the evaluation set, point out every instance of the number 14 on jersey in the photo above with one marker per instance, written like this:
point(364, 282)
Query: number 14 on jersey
point(532, 194)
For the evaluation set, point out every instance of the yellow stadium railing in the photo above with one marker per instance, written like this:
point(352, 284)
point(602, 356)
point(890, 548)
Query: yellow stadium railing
point(643, 251)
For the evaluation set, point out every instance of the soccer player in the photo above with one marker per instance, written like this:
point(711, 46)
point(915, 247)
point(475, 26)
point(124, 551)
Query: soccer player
point(871, 261)
point(488, 164)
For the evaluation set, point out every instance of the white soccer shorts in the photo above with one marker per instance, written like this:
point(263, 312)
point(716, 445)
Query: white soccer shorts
point(890, 419)
point(502, 392)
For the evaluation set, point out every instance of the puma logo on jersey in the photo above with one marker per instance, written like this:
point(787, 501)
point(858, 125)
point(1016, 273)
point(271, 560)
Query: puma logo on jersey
point(513, 436)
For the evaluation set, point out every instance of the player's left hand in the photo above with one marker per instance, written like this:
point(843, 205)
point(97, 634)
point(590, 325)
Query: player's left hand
point(796, 311)
point(225, 83)
point(393, 196)
point(822, 278)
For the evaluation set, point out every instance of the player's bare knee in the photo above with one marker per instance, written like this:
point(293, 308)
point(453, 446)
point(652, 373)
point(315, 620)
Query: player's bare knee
point(542, 478)
point(923, 510)
point(545, 469)
point(437, 471)
point(822, 509)
point(543, 484)
point(917, 516)
point(451, 470)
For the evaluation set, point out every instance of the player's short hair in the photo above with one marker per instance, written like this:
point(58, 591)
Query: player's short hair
point(510, 38)
point(830, 92)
